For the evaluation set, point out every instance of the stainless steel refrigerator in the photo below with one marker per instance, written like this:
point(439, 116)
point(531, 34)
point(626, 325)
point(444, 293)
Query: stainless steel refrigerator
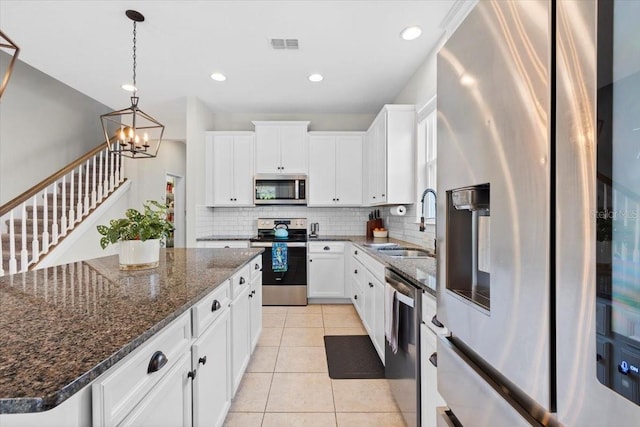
point(539, 261)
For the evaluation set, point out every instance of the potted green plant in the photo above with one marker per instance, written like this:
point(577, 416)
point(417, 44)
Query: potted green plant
point(139, 234)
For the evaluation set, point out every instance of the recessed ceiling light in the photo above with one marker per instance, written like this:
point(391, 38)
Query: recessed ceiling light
point(129, 87)
point(411, 33)
point(316, 78)
point(219, 77)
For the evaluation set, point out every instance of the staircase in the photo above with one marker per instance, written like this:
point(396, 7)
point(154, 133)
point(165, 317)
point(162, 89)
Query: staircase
point(40, 218)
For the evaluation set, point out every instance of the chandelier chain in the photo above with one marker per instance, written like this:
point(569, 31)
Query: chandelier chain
point(134, 57)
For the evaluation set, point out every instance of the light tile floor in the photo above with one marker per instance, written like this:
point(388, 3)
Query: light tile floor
point(287, 383)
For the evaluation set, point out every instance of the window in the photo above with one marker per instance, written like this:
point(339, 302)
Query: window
point(426, 157)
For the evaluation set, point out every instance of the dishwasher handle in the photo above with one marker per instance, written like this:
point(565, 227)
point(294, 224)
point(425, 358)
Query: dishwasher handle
point(404, 291)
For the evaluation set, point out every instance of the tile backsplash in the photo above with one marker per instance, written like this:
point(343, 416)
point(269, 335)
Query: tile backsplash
point(241, 222)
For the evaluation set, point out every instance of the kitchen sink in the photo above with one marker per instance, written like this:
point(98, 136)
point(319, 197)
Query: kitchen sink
point(398, 252)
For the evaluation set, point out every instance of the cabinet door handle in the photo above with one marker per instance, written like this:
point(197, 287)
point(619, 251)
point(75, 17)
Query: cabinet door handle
point(216, 305)
point(326, 248)
point(158, 360)
point(436, 322)
point(383, 195)
point(250, 295)
point(355, 297)
point(355, 252)
point(242, 281)
point(203, 360)
point(355, 271)
point(256, 267)
point(227, 247)
point(370, 285)
point(192, 374)
point(434, 359)
point(253, 292)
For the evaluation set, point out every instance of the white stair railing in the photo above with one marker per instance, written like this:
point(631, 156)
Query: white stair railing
point(82, 186)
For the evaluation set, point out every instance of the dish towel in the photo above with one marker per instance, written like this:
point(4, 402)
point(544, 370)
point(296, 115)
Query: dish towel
point(279, 262)
point(391, 308)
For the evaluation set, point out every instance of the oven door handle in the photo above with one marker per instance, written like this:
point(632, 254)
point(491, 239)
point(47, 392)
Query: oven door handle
point(269, 244)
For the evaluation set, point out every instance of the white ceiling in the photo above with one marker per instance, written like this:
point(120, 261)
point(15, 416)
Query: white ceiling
point(356, 45)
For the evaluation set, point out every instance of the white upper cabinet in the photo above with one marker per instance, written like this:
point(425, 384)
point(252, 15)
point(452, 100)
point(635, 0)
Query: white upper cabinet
point(390, 157)
point(229, 168)
point(281, 147)
point(335, 168)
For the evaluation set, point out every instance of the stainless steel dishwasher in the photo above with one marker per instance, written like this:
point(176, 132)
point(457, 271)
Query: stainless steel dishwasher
point(402, 364)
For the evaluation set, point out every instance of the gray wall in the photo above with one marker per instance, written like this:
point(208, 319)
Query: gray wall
point(44, 125)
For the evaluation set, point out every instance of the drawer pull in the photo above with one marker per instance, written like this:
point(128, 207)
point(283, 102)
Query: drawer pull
point(227, 247)
point(370, 285)
point(253, 292)
point(355, 297)
point(434, 359)
point(436, 322)
point(192, 374)
point(203, 360)
point(216, 305)
point(242, 281)
point(326, 248)
point(256, 267)
point(355, 252)
point(158, 360)
point(355, 271)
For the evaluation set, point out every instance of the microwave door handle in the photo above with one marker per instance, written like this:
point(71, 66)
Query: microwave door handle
point(296, 189)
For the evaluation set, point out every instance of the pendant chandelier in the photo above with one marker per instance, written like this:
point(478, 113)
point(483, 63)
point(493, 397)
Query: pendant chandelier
point(131, 132)
point(8, 46)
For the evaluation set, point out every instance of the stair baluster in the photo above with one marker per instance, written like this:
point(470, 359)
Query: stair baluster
point(45, 223)
point(54, 225)
point(35, 243)
point(63, 217)
point(79, 194)
point(112, 178)
point(24, 253)
point(87, 204)
point(94, 194)
point(100, 176)
point(72, 214)
point(105, 187)
point(13, 265)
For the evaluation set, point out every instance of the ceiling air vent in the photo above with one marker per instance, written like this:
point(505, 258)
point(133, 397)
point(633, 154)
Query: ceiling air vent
point(284, 43)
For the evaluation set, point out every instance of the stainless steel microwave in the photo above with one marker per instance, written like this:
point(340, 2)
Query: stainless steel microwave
point(280, 189)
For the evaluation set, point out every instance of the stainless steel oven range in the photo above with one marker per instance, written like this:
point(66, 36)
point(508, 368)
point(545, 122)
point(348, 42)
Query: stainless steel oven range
point(288, 284)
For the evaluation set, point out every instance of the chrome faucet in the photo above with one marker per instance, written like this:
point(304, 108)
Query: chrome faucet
point(435, 200)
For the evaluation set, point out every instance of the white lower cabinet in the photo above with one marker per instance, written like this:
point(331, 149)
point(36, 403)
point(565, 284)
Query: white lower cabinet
point(430, 398)
point(169, 402)
point(211, 358)
point(240, 336)
point(368, 296)
point(255, 303)
point(325, 268)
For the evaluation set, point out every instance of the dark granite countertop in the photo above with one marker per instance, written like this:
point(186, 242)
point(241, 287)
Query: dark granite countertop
point(61, 327)
point(419, 271)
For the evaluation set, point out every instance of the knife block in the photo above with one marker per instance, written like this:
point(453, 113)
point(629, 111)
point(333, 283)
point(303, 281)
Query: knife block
point(373, 223)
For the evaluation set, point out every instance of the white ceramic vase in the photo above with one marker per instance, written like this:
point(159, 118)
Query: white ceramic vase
point(139, 255)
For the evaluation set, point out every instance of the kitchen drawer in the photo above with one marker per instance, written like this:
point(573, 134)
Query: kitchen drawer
point(120, 389)
point(256, 267)
point(325, 247)
point(240, 280)
point(210, 308)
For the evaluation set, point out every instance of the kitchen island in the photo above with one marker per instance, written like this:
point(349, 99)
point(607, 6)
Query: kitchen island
point(63, 327)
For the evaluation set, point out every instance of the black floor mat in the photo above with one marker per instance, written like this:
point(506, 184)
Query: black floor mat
point(352, 357)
